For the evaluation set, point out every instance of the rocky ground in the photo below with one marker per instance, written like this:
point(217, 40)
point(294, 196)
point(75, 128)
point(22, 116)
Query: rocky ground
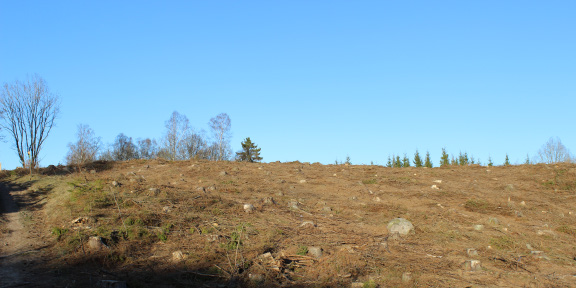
point(229, 224)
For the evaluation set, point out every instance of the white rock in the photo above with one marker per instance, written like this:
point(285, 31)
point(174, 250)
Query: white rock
point(406, 277)
point(434, 187)
point(257, 278)
point(472, 252)
point(177, 256)
point(248, 207)
point(472, 265)
point(493, 221)
point(302, 181)
point(307, 224)
point(438, 181)
point(401, 226)
point(478, 227)
point(95, 243)
point(315, 251)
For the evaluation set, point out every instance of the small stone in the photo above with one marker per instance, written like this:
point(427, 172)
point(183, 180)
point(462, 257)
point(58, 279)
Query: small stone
point(153, 191)
point(327, 209)
point(248, 208)
point(166, 209)
point(96, 243)
point(293, 204)
point(256, 278)
point(307, 224)
point(438, 181)
point(406, 277)
point(529, 247)
point(545, 232)
point(493, 221)
point(401, 226)
point(519, 213)
point(478, 227)
point(201, 189)
point(472, 265)
point(223, 173)
point(523, 203)
point(510, 187)
point(269, 200)
point(302, 181)
point(212, 238)
point(315, 251)
point(434, 187)
point(472, 252)
point(377, 199)
point(177, 256)
point(115, 184)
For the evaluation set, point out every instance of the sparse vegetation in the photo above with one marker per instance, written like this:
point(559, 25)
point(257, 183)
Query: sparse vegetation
point(59, 232)
point(199, 219)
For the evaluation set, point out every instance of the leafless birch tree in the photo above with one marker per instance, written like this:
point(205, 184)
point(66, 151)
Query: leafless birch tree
point(28, 110)
point(554, 152)
point(86, 147)
point(221, 126)
point(177, 130)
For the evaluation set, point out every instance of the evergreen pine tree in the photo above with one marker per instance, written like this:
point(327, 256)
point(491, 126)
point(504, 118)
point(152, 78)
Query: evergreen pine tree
point(398, 162)
point(527, 162)
point(444, 158)
point(417, 159)
point(506, 161)
point(348, 161)
point(490, 164)
point(389, 163)
point(250, 152)
point(463, 159)
point(427, 162)
point(453, 161)
point(405, 161)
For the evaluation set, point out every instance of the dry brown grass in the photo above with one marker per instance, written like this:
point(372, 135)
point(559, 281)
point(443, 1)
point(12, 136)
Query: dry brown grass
point(160, 207)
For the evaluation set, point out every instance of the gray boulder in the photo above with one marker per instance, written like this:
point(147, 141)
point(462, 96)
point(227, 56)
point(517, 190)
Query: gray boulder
point(401, 226)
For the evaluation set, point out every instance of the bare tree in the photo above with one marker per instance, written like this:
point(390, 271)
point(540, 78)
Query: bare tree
point(177, 130)
point(195, 145)
point(147, 148)
point(554, 151)
point(29, 110)
point(85, 148)
point(124, 148)
point(221, 126)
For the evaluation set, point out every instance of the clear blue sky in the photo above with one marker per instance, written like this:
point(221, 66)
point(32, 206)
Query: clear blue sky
point(312, 81)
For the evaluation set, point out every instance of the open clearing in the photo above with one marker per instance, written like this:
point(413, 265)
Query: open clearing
point(229, 224)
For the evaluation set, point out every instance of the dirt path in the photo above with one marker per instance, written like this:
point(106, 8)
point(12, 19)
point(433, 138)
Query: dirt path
point(13, 240)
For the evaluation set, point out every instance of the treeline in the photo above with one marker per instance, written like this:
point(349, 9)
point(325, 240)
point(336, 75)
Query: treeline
point(463, 159)
point(179, 142)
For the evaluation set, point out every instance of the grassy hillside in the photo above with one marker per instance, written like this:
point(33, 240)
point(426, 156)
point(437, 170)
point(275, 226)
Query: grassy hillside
point(170, 224)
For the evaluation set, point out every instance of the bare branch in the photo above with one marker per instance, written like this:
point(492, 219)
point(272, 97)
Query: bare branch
point(28, 110)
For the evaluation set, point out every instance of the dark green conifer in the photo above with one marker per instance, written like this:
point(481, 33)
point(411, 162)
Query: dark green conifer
point(250, 152)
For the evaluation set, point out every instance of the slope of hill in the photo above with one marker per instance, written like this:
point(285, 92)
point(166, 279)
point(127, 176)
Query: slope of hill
point(229, 224)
